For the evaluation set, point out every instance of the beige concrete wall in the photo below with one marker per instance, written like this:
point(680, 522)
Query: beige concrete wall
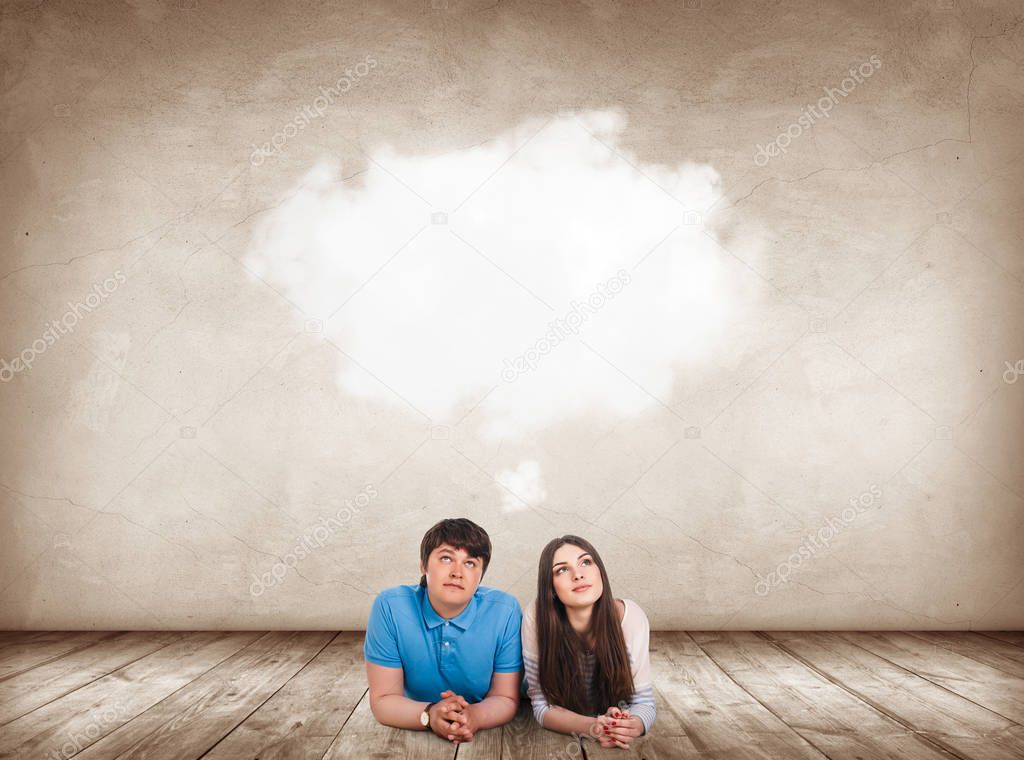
point(734, 290)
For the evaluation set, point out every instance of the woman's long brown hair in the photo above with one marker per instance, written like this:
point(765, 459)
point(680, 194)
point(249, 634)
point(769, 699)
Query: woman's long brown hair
point(560, 648)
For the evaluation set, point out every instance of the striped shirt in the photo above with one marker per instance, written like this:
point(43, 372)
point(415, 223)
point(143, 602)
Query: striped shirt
point(637, 632)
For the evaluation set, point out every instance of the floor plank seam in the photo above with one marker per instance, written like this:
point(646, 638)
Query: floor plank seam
point(156, 728)
point(171, 694)
point(866, 700)
point(988, 635)
point(58, 656)
point(694, 740)
point(766, 707)
point(959, 653)
point(355, 706)
point(272, 695)
point(926, 678)
point(97, 678)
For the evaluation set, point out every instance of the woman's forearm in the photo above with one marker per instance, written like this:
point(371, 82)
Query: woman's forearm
point(569, 722)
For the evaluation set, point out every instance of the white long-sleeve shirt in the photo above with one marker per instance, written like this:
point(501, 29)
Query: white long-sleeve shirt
point(637, 632)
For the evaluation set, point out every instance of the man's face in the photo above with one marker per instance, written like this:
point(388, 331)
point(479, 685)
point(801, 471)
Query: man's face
point(452, 575)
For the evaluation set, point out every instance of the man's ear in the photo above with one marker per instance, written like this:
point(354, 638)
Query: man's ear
point(423, 569)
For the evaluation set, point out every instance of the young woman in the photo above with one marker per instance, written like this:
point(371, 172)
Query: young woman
point(586, 652)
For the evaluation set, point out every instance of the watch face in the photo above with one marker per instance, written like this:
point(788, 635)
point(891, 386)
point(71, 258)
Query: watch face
point(425, 717)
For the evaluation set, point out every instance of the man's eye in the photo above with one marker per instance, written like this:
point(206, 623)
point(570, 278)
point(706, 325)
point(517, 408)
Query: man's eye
point(445, 558)
point(470, 563)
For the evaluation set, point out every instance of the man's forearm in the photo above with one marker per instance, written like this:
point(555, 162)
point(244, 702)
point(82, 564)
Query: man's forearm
point(494, 711)
point(398, 711)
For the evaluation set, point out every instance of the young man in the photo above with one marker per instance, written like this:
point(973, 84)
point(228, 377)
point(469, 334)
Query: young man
point(445, 655)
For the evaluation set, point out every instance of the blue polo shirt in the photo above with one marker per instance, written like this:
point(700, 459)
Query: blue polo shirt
point(435, 654)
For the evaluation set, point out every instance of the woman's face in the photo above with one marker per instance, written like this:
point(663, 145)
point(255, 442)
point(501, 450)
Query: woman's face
point(576, 577)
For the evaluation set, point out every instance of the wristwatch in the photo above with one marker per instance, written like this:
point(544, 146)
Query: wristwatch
point(425, 715)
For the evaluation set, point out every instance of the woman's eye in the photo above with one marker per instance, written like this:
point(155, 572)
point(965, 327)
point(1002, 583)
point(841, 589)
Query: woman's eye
point(559, 571)
point(587, 562)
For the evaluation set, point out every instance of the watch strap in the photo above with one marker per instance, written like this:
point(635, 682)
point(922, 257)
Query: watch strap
point(426, 711)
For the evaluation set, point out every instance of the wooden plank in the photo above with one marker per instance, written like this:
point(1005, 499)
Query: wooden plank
point(703, 713)
point(671, 736)
point(969, 678)
point(9, 638)
point(362, 737)
point(949, 720)
point(85, 715)
point(525, 739)
point(33, 688)
point(194, 718)
point(44, 648)
point(999, 654)
point(302, 719)
point(486, 745)
point(1005, 648)
point(833, 720)
point(1011, 637)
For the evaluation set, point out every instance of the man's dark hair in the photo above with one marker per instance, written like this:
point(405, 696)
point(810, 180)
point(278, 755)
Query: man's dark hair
point(458, 533)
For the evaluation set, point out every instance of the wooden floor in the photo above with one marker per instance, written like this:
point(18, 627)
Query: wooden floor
point(303, 695)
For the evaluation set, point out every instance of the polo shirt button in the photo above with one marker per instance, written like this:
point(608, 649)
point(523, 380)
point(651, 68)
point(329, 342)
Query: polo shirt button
point(446, 622)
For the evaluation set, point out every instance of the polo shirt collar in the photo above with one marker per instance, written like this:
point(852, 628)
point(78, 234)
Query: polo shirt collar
point(462, 621)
